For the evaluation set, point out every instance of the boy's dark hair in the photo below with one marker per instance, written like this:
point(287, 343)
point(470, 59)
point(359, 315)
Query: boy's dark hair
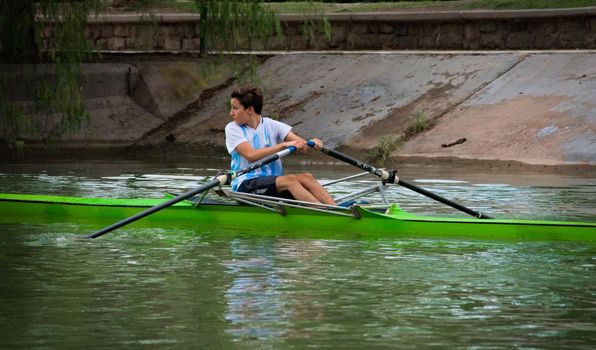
point(249, 95)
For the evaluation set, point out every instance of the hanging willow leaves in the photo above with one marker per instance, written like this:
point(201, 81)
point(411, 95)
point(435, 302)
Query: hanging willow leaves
point(235, 25)
point(57, 97)
point(49, 35)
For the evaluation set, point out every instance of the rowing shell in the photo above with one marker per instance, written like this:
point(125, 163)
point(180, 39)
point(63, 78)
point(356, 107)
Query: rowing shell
point(283, 218)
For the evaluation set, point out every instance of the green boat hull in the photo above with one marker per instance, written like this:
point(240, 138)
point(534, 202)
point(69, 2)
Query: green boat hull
point(94, 213)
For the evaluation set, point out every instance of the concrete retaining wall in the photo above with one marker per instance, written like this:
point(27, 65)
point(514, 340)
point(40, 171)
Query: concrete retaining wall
point(461, 30)
point(100, 80)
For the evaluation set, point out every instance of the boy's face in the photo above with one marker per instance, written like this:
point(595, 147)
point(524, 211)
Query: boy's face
point(239, 114)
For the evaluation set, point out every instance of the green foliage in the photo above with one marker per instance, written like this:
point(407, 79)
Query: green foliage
point(14, 121)
point(318, 24)
point(314, 20)
point(59, 103)
point(228, 25)
point(387, 144)
point(234, 24)
point(62, 98)
point(419, 124)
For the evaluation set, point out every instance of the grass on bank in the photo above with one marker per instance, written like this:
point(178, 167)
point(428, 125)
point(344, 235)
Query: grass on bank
point(420, 123)
point(389, 143)
point(440, 5)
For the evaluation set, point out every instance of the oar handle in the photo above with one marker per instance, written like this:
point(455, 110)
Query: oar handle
point(219, 180)
point(391, 177)
point(259, 163)
point(386, 176)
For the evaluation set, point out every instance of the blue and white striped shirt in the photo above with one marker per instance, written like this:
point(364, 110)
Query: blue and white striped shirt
point(269, 132)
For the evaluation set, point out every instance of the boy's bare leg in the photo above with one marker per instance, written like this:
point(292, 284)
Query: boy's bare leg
point(291, 184)
point(315, 188)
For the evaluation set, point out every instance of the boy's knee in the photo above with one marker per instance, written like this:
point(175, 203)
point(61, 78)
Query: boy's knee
point(291, 178)
point(286, 181)
point(306, 177)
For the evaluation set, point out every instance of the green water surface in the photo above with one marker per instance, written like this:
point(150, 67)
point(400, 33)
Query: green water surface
point(202, 288)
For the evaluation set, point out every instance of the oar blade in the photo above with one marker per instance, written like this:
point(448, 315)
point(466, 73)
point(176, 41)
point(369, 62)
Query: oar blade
point(219, 180)
point(154, 209)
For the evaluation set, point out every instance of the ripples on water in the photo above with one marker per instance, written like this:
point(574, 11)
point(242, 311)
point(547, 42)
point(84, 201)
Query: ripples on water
point(532, 196)
point(178, 288)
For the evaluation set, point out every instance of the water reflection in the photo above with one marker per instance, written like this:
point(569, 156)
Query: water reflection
point(266, 298)
point(256, 308)
point(178, 288)
point(348, 294)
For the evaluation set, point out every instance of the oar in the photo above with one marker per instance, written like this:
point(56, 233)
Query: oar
point(391, 177)
point(219, 180)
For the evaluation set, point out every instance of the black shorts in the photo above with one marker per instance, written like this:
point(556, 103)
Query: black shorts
point(264, 185)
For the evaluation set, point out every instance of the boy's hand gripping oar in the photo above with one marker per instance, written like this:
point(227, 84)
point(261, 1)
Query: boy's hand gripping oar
point(219, 180)
point(391, 177)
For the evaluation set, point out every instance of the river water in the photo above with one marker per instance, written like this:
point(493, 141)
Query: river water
point(182, 288)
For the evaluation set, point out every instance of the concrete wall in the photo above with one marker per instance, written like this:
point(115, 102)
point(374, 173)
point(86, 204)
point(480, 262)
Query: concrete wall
point(100, 80)
point(461, 30)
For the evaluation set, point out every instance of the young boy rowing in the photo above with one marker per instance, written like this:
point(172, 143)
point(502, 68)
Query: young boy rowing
point(250, 137)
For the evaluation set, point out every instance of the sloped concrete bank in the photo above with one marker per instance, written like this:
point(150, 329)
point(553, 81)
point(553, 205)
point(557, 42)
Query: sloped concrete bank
point(515, 110)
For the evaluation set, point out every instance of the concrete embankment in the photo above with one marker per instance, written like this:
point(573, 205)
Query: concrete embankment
point(532, 108)
point(489, 108)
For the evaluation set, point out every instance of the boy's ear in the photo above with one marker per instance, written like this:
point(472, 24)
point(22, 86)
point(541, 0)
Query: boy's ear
point(250, 109)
